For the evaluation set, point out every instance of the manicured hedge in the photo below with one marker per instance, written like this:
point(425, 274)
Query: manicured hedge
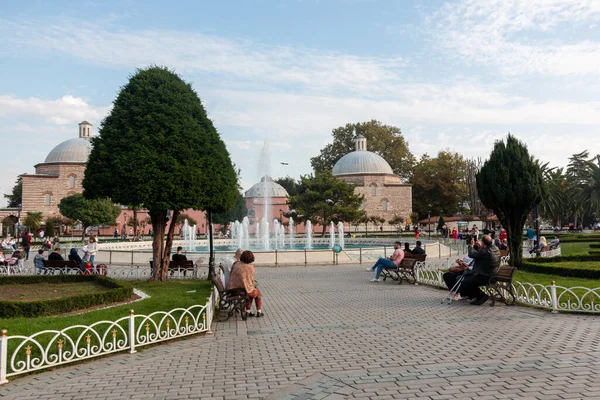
point(576, 257)
point(595, 245)
point(552, 268)
point(116, 291)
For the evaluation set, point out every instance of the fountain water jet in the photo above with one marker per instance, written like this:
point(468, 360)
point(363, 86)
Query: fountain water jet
point(308, 227)
point(331, 235)
point(341, 234)
point(291, 228)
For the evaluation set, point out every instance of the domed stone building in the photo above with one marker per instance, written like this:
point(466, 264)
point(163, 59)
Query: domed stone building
point(276, 203)
point(60, 174)
point(384, 193)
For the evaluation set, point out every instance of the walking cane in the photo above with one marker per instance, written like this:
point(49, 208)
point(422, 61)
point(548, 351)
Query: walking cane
point(450, 296)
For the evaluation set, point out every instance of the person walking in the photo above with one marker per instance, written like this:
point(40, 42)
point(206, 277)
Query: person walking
point(26, 243)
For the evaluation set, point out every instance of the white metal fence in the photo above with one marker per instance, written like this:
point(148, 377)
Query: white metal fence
point(50, 348)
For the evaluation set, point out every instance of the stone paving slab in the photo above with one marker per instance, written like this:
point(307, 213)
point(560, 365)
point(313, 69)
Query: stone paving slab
point(329, 333)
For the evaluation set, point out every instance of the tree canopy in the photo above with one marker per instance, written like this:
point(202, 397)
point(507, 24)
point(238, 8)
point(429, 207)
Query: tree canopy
point(385, 140)
point(438, 184)
point(291, 185)
point(16, 196)
point(89, 212)
point(34, 220)
point(237, 212)
point(158, 149)
point(511, 184)
point(324, 198)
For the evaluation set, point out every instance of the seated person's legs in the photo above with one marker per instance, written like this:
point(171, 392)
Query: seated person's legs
point(257, 296)
point(470, 286)
point(450, 278)
point(383, 263)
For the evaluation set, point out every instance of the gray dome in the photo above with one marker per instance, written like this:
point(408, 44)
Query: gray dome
point(361, 162)
point(266, 187)
point(72, 150)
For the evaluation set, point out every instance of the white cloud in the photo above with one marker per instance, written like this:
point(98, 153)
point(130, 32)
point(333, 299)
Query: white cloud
point(518, 37)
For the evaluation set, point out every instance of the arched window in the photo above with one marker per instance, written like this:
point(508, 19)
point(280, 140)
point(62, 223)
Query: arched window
point(48, 199)
point(373, 189)
point(72, 181)
point(384, 204)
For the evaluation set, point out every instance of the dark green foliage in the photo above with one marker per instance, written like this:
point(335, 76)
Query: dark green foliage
point(439, 184)
point(291, 185)
point(511, 184)
point(441, 223)
point(89, 212)
point(237, 213)
point(33, 220)
point(551, 266)
point(158, 149)
point(595, 245)
point(15, 198)
point(385, 140)
point(324, 198)
point(116, 291)
point(49, 228)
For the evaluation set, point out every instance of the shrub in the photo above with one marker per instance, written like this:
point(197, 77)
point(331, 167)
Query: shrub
point(116, 291)
point(545, 267)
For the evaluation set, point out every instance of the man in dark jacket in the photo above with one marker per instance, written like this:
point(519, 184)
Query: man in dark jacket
point(486, 263)
point(55, 255)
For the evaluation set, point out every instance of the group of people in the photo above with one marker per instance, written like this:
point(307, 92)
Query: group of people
point(89, 254)
point(396, 258)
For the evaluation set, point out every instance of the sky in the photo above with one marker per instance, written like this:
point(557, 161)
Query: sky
point(453, 75)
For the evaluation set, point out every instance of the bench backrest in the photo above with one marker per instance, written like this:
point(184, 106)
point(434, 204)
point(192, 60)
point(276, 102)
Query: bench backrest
point(505, 273)
point(60, 264)
point(216, 280)
point(418, 257)
point(181, 264)
point(503, 253)
point(408, 263)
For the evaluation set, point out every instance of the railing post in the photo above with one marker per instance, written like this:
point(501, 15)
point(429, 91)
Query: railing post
point(110, 257)
point(305, 258)
point(384, 252)
point(554, 298)
point(360, 255)
point(132, 258)
point(207, 313)
point(3, 357)
point(276, 258)
point(131, 332)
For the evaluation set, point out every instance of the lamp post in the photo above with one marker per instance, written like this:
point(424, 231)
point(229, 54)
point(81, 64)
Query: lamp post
point(281, 216)
point(429, 221)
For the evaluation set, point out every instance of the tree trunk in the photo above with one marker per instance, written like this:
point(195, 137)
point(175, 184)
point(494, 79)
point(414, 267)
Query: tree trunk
point(211, 254)
point(83, 232)
point(134, 221)
point(515, 241)
point(324, 231)
point(158, 226)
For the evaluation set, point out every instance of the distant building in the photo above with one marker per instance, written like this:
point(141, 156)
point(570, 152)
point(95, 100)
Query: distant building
point(384, 193)
point(266, 195)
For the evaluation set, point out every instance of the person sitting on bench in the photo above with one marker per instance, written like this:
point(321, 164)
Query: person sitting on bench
point(418, 249)
point(456, 271)
point(486, 263)
point(179, 256)
point(392, 262)
point(55, 255)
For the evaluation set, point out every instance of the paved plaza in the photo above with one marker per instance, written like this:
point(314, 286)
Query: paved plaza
point(329, 333)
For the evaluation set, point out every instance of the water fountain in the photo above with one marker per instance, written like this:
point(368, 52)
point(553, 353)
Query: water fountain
point(264, 171)
point(308, 228)
point(245, 241)
point(189, 236)
point(341, 234)
point(265, 234)
point(291, 229)
point(276, 229)
point(331, 235)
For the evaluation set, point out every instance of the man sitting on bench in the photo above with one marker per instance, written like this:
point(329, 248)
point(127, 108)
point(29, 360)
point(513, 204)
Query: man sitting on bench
point(456, 271)
point(418, 249)
point(392, 262)
point(487, 262)
point(55, 255)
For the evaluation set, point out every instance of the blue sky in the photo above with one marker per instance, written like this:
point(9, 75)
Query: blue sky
point(452, 75)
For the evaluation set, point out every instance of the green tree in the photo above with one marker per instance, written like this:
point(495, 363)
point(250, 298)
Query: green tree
point(441, 223)
point(385, 140)
point(15, 198)
point(237, 213)
point(181, 220)
point(555, 205)
point(89, 212)
point(49, 228)
point(291, 185)
point(33, 220)
point(157, 148)
point(511, 184)
point(325, 198)
point(439, 184)
point(397, 221)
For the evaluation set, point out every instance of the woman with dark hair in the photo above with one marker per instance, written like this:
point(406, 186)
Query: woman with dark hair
point(242, 276)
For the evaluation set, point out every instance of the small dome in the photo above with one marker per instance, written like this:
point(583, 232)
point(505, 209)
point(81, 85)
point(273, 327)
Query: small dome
point(361, 162)
point(74, 150)
point(266, 188)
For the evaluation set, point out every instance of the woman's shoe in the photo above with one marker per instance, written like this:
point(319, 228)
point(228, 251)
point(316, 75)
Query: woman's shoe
point(259, 314)
point(250, 314)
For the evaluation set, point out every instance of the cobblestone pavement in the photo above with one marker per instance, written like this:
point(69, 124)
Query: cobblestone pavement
point(329, 333)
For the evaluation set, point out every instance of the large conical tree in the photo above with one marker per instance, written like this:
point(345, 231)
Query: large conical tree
point(158, 149)
point(511, 184)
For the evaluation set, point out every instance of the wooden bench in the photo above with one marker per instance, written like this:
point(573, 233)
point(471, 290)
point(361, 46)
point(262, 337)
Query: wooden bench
point(500, 287)
point(62, 267)
point(178, 266)
point(418, 257)
point(230, 301)
point(405, 271)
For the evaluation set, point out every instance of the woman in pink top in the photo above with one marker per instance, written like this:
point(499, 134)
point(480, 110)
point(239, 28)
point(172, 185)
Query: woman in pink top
point(392, 262)
point(242, 276)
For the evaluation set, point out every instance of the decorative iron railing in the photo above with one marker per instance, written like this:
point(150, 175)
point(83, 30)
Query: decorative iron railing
point(24, 354)
point(116, 272)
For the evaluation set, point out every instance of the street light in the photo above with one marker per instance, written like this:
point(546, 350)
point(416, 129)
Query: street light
point(429, 222)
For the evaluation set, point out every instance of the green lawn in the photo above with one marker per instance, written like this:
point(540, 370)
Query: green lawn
point(165, 296)
point(546, 279)
point(576, 248)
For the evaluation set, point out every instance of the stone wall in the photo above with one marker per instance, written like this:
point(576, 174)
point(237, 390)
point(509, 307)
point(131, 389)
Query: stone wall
point(57, 185)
